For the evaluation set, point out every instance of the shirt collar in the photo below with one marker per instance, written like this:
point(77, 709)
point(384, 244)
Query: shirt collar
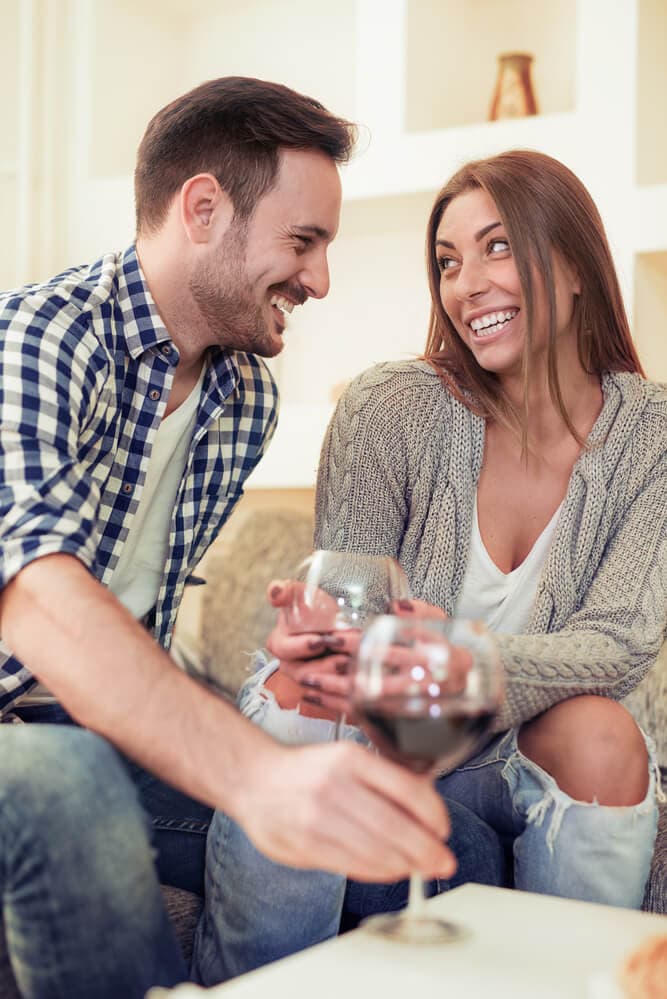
point(142, 326)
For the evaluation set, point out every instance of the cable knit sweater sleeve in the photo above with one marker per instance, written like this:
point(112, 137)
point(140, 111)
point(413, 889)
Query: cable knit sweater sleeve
point(376, 477)
point(398, 475)
point(608, 644)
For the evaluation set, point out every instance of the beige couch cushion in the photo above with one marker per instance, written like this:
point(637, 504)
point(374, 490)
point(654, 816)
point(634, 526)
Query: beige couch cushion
point(236, 617)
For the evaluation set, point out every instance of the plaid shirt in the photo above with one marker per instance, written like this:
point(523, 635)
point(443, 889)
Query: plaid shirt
point(86, 366)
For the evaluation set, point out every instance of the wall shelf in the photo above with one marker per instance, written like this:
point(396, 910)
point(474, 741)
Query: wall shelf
point(452, 50)
point(650, 313)
point(651, 129)
point(422, 161)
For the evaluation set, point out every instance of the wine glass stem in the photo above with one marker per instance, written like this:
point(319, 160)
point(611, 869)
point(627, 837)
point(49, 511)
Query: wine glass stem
point(338, 725)
point(416, 900)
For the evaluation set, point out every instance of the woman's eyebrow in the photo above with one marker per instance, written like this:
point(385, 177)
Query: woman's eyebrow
point(487, 228)
point(478, 235)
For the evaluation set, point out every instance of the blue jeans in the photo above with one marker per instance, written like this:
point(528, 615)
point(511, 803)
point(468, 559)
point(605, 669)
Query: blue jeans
point(561, 846)
point(257, 911)
point(79, 862)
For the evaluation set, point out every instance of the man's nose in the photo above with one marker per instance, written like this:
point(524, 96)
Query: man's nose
point(315, 276)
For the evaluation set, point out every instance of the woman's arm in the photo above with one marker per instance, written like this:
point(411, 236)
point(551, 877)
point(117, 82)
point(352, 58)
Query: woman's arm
point(611, 641)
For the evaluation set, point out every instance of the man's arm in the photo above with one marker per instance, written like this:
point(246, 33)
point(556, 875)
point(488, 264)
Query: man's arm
point(337, 806)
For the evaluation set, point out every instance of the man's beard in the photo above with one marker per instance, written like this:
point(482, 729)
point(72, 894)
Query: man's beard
point(225, 299)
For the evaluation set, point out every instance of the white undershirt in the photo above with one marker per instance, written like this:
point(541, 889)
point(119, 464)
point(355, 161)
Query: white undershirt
point(503, 600)
point(140, 569)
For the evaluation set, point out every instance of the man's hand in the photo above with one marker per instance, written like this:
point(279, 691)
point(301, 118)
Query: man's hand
point(341, 807)
point(336, 806)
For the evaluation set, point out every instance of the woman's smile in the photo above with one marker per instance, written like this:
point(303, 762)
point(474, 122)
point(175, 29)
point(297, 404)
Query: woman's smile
point(490, 325)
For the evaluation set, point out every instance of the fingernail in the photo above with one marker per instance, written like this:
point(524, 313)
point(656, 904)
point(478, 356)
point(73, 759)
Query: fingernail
point(341, 667)
point(275, 591)
point(405, 604)
point(310, 681)
point(315, 644)
point(335, 641)
point(312, 699)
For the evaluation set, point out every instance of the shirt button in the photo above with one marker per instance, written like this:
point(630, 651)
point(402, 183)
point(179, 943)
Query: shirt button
point(166, 350)
point(127, 488)
point(154, 395)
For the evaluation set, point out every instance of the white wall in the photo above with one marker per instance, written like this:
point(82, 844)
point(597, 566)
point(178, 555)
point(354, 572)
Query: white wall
point(78, 86)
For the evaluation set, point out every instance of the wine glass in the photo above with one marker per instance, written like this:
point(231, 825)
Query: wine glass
point(426, 692)
point(341, 591)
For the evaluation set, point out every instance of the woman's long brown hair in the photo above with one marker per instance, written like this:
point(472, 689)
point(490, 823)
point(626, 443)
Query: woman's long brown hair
point(545, 209)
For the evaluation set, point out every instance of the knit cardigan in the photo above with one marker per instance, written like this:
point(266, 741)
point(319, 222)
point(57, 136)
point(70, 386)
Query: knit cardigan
point(398, 474)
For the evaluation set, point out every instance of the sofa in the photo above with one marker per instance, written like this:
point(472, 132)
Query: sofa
point(224, 621)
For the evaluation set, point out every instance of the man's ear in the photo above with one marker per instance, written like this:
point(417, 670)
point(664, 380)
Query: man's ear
point(205, 207)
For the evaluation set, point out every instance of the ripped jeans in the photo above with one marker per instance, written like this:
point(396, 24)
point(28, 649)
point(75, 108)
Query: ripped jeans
point(257, 911)
point(561, 846)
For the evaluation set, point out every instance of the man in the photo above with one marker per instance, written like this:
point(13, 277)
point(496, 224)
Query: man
point(132, 408)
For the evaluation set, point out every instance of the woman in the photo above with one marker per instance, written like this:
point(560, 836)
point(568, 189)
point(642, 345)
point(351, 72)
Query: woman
point(519, 473)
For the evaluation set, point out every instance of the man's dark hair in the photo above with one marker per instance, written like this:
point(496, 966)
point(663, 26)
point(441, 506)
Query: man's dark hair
point(233, 128)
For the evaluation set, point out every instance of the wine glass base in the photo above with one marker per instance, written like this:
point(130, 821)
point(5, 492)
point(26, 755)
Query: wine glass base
point(415, 929)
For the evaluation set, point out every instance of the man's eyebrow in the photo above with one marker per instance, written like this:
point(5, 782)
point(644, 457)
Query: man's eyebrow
point(312, 230)
point(478, 235)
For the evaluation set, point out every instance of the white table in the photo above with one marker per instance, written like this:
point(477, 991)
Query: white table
point(521, 946)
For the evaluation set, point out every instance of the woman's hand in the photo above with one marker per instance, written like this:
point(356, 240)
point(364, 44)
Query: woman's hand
point(315, 664)
point(418, 609)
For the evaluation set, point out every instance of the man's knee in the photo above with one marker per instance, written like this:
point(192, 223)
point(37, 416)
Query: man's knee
point(592, 747)
point(69, 807)
point(59, 773)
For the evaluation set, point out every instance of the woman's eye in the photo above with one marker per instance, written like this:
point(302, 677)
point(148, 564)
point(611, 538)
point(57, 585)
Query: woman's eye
point(302, 242)
point(446, 263)
point(498, 246)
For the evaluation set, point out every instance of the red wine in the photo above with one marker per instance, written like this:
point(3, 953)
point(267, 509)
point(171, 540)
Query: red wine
point(420, 732)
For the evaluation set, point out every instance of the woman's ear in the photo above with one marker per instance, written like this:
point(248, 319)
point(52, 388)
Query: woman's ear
point(205, 207)
point(573, 277)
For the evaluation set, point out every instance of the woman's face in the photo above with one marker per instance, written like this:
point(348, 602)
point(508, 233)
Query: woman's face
point(480, 288)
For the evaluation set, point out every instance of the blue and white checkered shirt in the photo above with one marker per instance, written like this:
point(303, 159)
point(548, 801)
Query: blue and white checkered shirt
point(86, 366)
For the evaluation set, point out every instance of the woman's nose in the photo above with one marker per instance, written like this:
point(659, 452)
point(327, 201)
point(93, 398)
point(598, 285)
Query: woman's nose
point(471, 280)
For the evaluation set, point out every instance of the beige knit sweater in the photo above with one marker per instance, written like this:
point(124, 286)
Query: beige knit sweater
point(398, 473)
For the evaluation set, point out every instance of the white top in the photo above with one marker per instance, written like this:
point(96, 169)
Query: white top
point(503, 600)
point(140, 568)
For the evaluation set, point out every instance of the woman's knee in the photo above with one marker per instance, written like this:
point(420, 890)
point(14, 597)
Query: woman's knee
point(593, 749)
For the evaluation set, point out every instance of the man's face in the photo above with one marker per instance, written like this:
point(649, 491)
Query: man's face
point(260, 269)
